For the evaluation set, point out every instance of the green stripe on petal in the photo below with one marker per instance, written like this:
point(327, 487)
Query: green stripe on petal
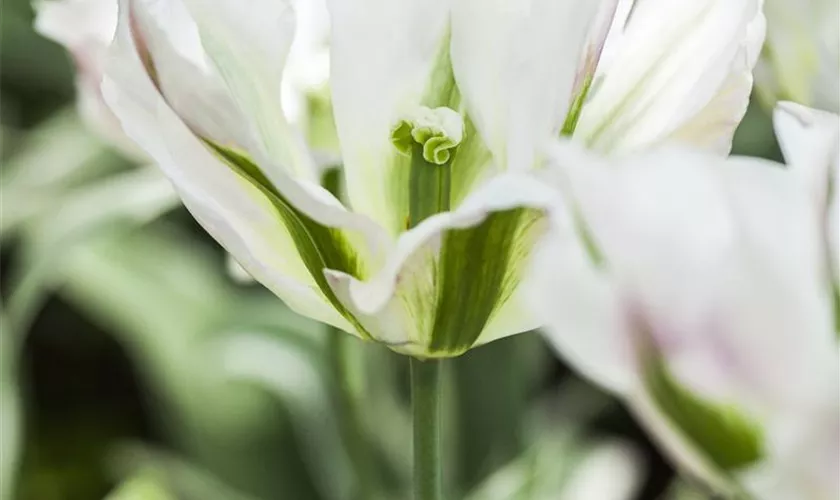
point(728, 437)
point(249, 52)
point(386, 60)
point(320, 247)
point(478, 270)
point(471, 165)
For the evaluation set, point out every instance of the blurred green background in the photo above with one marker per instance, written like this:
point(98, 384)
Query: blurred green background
point(133, 366)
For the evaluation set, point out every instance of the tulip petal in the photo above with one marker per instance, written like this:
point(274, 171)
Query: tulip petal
point(801, 59)
point(516, 65)
point(582, 306)
point(248, 47)
point(688, 261)
point(387, 58)
point(169, 39)
point(448, 284)
point(678, 69)
point(715, 265)
point(269, 232)
point(810, 141)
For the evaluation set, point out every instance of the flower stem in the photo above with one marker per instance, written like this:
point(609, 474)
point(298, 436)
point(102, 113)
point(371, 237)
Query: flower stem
point(349, 420)
point(425, 405)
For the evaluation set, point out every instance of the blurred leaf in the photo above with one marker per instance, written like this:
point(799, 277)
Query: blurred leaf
point(10, 410)
point(494, 385)
point(166, 298)
point(560, 462)
point(755, 136)
point(682, 490)
point(385, 414)
point(298, 377)
point(164, 471)
point(125, 200)
point(28, 60)
point(59, 155)
point(566, 469)
point(141, 487)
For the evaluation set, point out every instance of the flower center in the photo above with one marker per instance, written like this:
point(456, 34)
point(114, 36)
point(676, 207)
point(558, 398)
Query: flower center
point(439, 131)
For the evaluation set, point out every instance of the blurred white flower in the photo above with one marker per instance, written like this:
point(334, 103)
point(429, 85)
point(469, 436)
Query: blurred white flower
point(801, 59)
point(701, 298)
point(612, 471)
point(85, 28)
point(434, 102)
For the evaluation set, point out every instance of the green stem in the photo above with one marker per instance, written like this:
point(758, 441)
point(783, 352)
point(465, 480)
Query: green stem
point(425, 405)
point(349, 420)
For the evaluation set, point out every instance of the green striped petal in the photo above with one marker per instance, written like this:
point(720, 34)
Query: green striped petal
point(729, 438)
point(248, 47)
point(450, 280)
point(284, 237)
point(688, 79)
point(388, 58)
point(516, 64)
point(193, 88)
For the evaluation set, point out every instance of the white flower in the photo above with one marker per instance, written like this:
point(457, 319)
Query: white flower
point(701, 298)
point(85, 28)
point(801, 59)
point(434, 102)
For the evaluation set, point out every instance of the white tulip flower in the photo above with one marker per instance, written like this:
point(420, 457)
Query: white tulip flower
point(437, 104)
point(699, 295)
point(85, 28)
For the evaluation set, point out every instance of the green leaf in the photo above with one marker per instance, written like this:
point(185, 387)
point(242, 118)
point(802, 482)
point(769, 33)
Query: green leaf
point(59, 156)
point(494, 385)
point(166, 300)
point(728, 437)
point(298, 377)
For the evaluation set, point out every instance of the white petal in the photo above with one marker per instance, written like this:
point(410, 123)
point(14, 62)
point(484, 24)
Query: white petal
point(382, 55)
point(248, 46)
point(308, 65)
point(612, 471)
point(681, 69)
point(580, 306)
point(398, 303)
point(801, 60)
point(233, 211)
point(184, 74)
point(719, 263)
point(516, 64)
point(804, 459)
point(728, 254)
point(85, 28)
point(810, 141)
point(77, 23)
